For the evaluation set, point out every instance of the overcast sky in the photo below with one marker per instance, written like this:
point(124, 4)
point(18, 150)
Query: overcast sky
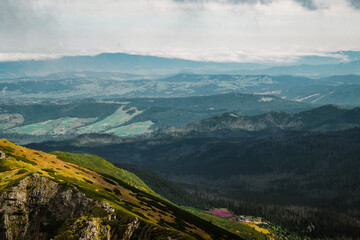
point(216, 30)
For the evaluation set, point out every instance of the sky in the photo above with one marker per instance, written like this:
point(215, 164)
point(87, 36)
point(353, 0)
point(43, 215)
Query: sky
point(211, 30)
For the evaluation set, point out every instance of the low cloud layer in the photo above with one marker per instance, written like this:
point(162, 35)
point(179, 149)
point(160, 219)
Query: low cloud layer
point(308, 4)
point(215, 30)
point(25, 24)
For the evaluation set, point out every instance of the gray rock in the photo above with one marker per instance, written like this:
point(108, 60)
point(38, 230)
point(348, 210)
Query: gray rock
point(37, 200)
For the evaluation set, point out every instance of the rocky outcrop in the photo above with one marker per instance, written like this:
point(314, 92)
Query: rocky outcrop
point(94, 230)
point(131, 229)
point(37, 206)
point(2, 154)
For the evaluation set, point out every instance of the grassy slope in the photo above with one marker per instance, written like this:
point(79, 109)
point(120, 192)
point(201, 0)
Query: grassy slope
point(118, 118)
point(102, 166)
point(132, 129)
point(244, 230)
point(131, 201)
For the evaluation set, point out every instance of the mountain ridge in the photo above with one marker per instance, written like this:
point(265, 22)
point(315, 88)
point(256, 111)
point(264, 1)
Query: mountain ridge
point(145, 64)
point(43, 196)
point(317, 119)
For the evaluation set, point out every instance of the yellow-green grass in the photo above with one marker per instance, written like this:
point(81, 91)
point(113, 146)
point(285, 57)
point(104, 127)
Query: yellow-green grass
point(93, 184)
point(102, 166)
point(21, 162)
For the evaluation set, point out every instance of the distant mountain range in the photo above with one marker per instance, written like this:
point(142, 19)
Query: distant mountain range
point(116, 62)
point(307, 70)
point(325, 118)
point(33, 121)
point(339, 90)
point(138, 64)
point(215, 115)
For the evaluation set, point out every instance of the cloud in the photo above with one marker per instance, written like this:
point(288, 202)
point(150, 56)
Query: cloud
point(225, 1)
point(24, 23)
point(21, 56)
point(307, 4)
point(217, 30)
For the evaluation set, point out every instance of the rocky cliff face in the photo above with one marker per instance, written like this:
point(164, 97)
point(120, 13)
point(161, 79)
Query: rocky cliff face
point(38, 208)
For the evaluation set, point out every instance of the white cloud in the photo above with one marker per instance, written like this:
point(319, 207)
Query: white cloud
point(20, 56)
point(217, 30)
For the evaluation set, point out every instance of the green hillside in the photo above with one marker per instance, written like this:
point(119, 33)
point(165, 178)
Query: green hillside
point(102, 166)
point(45, 197)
